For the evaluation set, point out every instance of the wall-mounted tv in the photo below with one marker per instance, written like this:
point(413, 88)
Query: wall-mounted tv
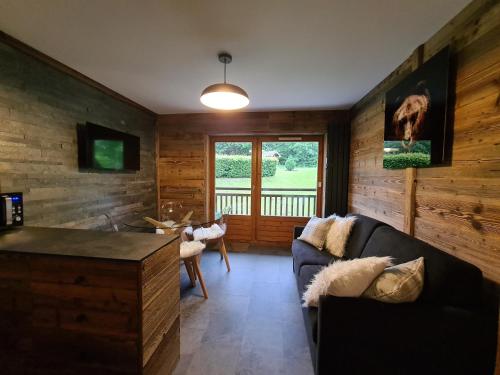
point(105, 149)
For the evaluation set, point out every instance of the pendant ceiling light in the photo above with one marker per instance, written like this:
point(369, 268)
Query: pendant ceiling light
point(224, 95)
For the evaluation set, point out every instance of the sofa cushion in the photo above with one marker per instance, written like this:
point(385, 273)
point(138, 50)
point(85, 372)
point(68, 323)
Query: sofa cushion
point(306, 275)
point(361, 232)
point(310, 313)
point(447, 279)
point(304, 253)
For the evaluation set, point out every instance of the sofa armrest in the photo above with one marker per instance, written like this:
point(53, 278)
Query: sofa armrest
point(361, 336)
point(297, 231)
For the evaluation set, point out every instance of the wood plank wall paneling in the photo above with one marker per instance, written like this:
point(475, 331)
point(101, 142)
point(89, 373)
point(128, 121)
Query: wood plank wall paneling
point(183, 146)
point(39, 109)
point(457, 207)
point(237, 228)
point(16, 43)
point(278, 230)
point(85, 310)
point(160, 299)
point(77, 315)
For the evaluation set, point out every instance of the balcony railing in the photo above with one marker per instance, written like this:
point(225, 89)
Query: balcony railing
point(273, 201)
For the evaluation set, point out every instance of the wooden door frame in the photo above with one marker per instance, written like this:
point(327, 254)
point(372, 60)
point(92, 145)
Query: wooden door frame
point(288, 221)
point(211, 171)
point(297, 138)
point(256, 177)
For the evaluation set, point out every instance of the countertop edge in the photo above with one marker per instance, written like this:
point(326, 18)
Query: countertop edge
point(165, 240)
point(171, 238)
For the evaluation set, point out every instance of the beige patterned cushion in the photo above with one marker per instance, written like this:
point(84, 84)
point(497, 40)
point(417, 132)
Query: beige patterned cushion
point(315, 231)
point(338, 235)
point(397, 284)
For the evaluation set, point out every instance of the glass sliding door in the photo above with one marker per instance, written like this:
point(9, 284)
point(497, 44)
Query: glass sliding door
point(232, 167)
point(233, 178)
point(289, 186)
point(266, 185)
point(289, 178)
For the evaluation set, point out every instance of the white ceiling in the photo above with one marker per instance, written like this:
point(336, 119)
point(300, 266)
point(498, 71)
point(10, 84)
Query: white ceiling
point(287, 54)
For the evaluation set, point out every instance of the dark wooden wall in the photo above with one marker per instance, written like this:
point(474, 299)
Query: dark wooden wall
point(39, 108)
point(457, 207)
point(183, 145)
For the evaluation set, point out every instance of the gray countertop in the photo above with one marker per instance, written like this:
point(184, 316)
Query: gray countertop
point(125, 246)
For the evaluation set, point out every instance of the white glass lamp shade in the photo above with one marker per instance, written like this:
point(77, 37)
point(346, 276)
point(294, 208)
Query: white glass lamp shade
point(224, 96)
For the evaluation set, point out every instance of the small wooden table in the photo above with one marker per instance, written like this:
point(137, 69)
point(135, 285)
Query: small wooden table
point(88, 302)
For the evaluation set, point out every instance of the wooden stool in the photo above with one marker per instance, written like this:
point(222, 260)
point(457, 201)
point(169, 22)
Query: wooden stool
point(191, 258)
point(219, 241)
point(222, 244)
point(223, 250)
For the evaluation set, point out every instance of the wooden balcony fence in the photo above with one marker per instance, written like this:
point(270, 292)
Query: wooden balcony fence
point(273, 201)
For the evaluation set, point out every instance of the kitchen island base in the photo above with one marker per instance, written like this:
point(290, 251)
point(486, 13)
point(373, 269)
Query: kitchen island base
point(65, 314)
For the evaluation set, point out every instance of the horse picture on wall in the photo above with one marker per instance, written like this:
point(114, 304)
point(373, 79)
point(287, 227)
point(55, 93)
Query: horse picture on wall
point(415, 116)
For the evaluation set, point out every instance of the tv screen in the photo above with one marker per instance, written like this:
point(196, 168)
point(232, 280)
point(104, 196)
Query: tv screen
point(108, 154)
point(101, 148)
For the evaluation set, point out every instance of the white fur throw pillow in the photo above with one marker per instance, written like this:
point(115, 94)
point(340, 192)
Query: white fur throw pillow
point(397, 284)
point(188, 231)
point(338, 235)
point(315, 231)
point(190, 248)
point(214, 231)
point(348, 278)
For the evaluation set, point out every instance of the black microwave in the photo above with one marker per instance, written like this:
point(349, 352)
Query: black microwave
point(11, 210)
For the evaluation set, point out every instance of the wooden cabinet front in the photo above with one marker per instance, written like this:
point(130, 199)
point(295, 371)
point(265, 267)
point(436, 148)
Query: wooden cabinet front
point(161, 309)
point(61, 314)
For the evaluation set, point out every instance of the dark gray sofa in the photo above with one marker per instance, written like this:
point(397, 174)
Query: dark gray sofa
point(450, 329)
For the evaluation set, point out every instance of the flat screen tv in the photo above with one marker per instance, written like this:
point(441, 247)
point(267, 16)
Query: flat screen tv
point(105, 149)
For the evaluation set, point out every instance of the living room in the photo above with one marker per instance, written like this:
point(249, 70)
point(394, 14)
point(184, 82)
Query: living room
point(249, 187)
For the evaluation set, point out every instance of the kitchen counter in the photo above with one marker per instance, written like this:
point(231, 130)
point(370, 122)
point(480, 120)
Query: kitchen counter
point(83, 243)
point(87, 302)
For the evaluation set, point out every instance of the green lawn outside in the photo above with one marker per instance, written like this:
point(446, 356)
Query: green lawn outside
point(300, 178)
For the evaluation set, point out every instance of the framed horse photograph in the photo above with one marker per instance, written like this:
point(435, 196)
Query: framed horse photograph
point(416, 110)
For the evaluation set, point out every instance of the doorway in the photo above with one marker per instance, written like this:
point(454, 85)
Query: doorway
point(266, 184)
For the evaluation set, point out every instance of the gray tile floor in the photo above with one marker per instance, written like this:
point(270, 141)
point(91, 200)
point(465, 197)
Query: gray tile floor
point(251, 323)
